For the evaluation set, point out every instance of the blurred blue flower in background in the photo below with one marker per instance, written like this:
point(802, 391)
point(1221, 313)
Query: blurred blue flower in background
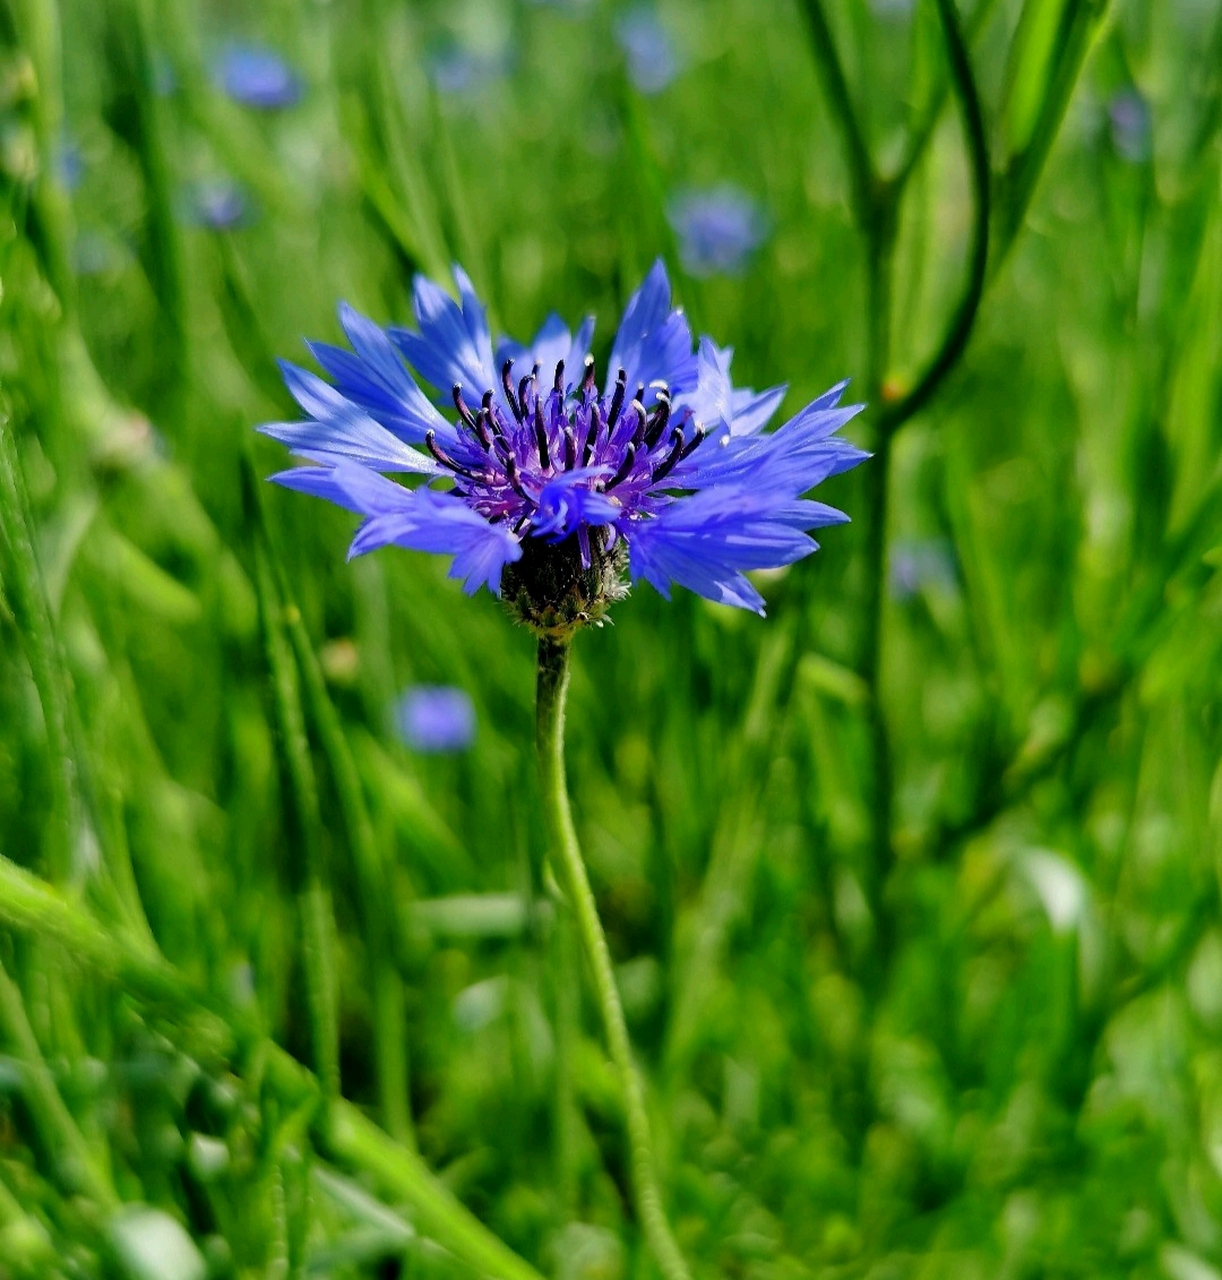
point(456, 68)
point(1129, 114)
point(718, 229)
point(917, 565)
point(165, 78)
point(257, 76)
point(219, 204)
point(435, 718)
point(652, 60)
point(675, 481)
point(69, 163)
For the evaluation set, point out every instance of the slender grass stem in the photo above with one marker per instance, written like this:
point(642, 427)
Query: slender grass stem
point(304, 823)
point(389, 1030)
point(959, 329)
point(836, 87)
point(552, 689)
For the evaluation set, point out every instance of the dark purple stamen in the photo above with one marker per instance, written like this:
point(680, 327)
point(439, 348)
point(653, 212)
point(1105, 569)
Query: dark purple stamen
point(494, 420)
point(591, 436)
point(570, 449)
point(638, 434)
point(480, 427)
point(430, 443)
point(558, 385)
point(511, 473)
point(541, 435)
point(696, 440)
point(657, 425)
point(523, 383)
point(587, 382)
point(624, 467)
point(617, 398)
point(461, 405)
point(672, 458)
point(507, 383)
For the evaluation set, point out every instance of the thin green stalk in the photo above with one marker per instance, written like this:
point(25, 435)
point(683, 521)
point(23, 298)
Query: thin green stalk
point(959, 330)
point(551, 690)
point(304, 824)
point(836, 87)
point(389, 1029)
point(79, 1166)
point(1080, 20)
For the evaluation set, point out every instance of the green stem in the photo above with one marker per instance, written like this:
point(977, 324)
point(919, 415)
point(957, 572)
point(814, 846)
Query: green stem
point(552, 688)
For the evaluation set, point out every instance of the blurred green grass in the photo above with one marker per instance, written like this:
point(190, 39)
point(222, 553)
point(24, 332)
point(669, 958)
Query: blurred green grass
point(982, 1040)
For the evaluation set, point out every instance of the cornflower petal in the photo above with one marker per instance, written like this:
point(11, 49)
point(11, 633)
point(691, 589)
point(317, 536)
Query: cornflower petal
point(373, 376)
point(447, 526)
point(751, 411)
point(705, 542)
point(453, 345)
point(654, 343)
point(340, 429)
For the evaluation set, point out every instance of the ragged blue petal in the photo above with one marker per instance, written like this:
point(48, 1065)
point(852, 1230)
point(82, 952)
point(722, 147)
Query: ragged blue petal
point(444, 525)
point(453, 345)
point(338, 428)
point(654, 343)
point(706, 541)
point(373, 376)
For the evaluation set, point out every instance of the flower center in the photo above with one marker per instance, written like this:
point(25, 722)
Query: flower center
point(508, 451)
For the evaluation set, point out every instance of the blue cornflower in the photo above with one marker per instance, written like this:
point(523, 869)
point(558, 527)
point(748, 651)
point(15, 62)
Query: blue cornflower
point(257, 76)
point(1129, 114)
point(920, 564)
point(458, 68)
point(69, 162)
point(543, 488)
point(219, 204)
point(435, 718)
point(648, 49)
point(718, 229)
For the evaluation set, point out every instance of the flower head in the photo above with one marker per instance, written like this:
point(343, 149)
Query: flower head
point(257, 77)
point(435, 718)
point(1129, 114)
point(718, 230)
point(547, 489)
point(648, 50)
point(219, 204)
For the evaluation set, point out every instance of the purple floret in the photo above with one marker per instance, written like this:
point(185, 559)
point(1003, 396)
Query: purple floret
point(257, 77)
point(435, 718)
point(667, 459)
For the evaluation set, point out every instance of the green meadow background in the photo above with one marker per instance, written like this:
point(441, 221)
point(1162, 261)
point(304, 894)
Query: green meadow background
point(913, 886)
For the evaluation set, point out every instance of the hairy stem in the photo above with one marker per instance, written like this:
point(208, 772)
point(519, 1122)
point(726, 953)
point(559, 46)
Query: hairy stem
point(553, 682)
